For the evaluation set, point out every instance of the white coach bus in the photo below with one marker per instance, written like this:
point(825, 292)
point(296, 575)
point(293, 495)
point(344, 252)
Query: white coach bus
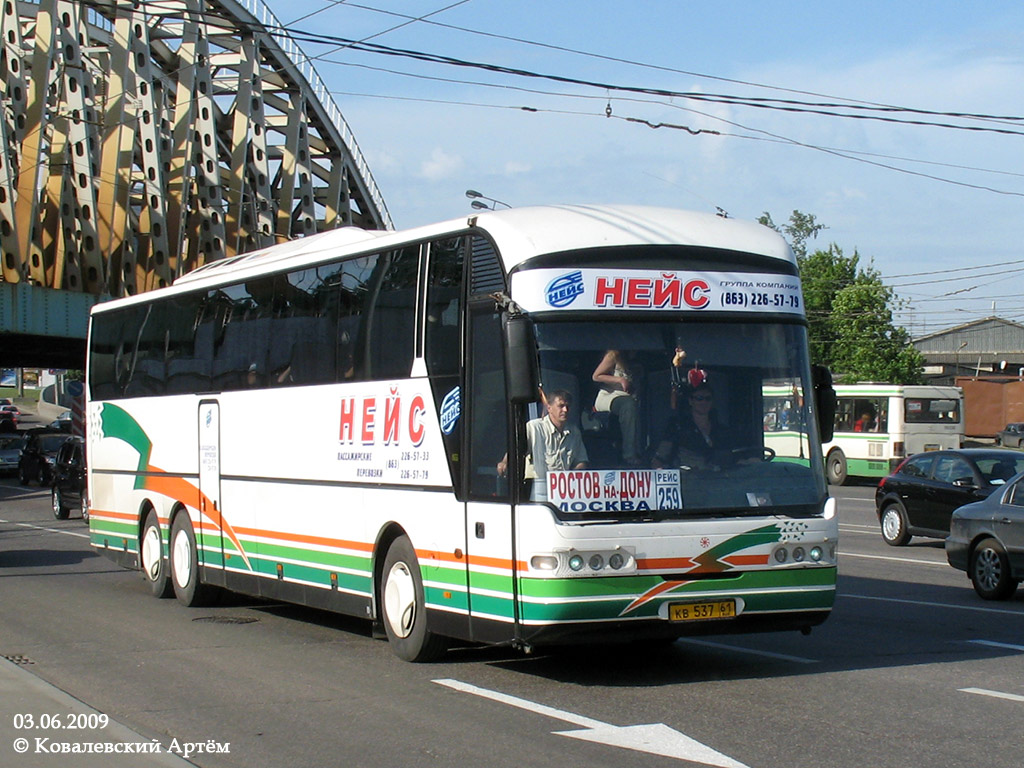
point(323, 422)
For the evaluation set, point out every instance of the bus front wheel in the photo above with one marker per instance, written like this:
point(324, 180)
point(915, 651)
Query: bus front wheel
point(403, 605)
point(835, 466)
point(154, 565)
point(188, 588)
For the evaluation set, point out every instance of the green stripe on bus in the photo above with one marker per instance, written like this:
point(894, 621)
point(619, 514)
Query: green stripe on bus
point(867, 467)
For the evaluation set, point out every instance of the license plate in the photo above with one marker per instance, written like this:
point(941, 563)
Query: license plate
point(713, 609)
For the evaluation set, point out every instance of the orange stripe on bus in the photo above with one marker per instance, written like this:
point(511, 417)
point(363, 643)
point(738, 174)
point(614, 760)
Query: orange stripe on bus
point(114, 515)
point(180, 489)
point(746, 559)
point(301, 538)
point(661, 563)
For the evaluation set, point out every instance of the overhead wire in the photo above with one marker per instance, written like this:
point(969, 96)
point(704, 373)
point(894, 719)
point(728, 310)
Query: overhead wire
point(784, 105)
point(646, 65)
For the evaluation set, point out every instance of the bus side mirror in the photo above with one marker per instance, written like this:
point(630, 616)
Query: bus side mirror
point(824, 401)
point(523, 379)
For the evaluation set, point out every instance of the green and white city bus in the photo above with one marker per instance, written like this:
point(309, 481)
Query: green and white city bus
point(879, 425)
point(322, 422)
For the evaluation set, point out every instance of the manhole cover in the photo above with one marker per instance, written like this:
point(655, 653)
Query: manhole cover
point(17, 658)
point(226, 619)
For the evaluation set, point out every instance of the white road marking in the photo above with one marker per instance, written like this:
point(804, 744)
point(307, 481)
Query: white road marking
point(994, 644)
point(737, 649)
point(43, 528)
point(895, 559)
point(656, 738)
point(929, 604)
point(994, 694)
point(858, 528)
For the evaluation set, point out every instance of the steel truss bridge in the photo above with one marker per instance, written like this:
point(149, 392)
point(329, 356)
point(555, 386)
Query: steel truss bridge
point(144, 138)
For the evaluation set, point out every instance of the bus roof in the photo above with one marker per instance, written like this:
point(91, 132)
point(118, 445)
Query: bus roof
point(520, 234)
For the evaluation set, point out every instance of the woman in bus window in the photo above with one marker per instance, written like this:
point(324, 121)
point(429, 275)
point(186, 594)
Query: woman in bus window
point(618, 397)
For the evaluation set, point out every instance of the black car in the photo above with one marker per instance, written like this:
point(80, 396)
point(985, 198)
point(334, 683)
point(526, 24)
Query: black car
point(986, 539)
point(918, 499)
point(38, 456)
point(69, 479)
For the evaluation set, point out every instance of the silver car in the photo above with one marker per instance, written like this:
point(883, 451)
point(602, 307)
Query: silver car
point(10, 451)
point(986, 539)
point(1012, 435)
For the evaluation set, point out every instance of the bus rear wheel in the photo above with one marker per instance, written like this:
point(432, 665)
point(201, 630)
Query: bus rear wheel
point(151, 552)
point(403, 606)
point(835, 467)
point(188, 587)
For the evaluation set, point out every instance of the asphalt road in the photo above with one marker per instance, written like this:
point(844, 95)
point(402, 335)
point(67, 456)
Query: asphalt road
point(912, 669)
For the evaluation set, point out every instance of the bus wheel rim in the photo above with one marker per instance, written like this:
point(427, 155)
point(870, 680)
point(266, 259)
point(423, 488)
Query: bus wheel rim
point(182, 559)
point(151, 553)
point(400, 600)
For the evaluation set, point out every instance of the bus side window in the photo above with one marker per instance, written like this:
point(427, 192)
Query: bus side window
point(444, 304)
point(391, 324)
point(442, 342)
point(487, 406)
point(353, 299)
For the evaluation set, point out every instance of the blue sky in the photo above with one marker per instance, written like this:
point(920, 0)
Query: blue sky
point(436, 130)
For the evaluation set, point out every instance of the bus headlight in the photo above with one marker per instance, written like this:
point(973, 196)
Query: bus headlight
point(544, 562)
point(571, 562)
point(816, 554)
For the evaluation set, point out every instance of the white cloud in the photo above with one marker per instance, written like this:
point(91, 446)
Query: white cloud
point(441, 165)
point(515, 168)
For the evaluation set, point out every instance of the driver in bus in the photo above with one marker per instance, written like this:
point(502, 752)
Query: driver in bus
point(695, 435)
point(554, 443)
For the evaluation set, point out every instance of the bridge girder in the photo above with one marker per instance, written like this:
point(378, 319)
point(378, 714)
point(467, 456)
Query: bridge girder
point(148, 137)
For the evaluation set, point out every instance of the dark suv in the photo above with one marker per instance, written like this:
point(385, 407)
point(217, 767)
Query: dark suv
point(39, 455)
point(69, 480)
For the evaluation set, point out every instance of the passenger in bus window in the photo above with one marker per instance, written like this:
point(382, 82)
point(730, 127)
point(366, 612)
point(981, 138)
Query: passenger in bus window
point(696, 436)
point(866, 423)
point(554, 443)
point(617, 396)
point(253, 379)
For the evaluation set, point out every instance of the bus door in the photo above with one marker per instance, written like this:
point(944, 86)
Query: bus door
point(209, 534)
point(489, 515)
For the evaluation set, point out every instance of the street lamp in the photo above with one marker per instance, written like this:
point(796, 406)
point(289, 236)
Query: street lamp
point(478, 201)
point(956, 368)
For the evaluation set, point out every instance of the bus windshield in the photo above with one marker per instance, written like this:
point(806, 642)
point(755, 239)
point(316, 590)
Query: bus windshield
point(674, 419)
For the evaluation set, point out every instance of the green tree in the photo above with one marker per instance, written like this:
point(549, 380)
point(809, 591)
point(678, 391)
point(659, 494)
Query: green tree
point(800, 228)
point(849, 311)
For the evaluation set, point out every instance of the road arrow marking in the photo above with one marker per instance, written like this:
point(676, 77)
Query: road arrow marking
point(655, 739)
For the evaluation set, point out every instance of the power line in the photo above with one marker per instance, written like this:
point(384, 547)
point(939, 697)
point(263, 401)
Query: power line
point(784, 105)
point(645, 65)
